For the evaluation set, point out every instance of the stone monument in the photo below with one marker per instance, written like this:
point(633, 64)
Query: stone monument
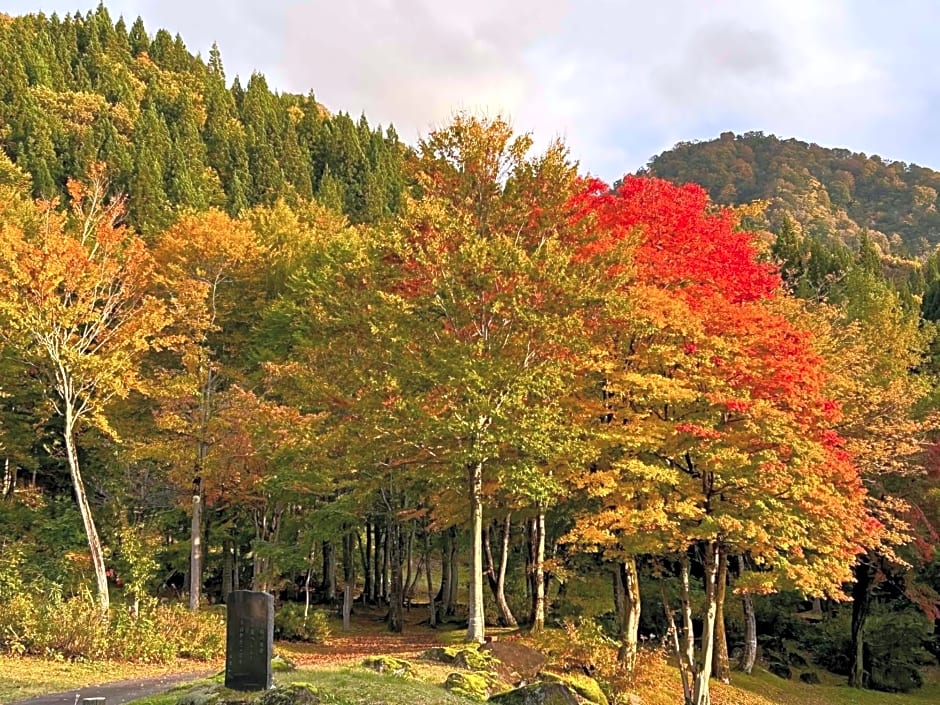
point(249, 642)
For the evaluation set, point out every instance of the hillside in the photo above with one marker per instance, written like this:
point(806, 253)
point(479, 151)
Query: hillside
point(172, 130)
point(833, 193)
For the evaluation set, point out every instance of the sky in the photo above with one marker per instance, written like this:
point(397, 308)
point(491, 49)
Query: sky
point(619, 81)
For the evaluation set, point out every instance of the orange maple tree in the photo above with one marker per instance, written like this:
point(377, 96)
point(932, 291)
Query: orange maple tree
point(718, 433)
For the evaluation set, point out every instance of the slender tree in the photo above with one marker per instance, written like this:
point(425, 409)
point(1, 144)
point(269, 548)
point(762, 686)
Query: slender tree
point(74, 303)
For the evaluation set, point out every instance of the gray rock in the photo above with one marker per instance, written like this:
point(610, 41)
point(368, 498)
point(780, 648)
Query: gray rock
point(538, 694)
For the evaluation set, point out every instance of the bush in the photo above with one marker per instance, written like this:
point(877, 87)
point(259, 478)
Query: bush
point(75, 629)
point(290, 624)
point(586, 649)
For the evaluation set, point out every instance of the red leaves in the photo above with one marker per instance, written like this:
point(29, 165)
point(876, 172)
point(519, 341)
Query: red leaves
point(720, 381)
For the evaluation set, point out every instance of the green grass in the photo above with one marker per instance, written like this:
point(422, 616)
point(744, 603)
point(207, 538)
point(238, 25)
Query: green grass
point(357, 686)
point(832, 691)
point(350, 686)
point(658, 684)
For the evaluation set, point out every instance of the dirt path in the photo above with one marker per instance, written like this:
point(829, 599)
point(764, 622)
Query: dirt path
point(118, 692)
point(368, 637)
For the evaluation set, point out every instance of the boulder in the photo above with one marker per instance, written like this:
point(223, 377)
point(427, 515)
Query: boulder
point(468, 656)
point(538, 694)
point(390, 665)
point(203, 694)
point(290, 694)
point(585, 686)
point(810, 677)
point(472, 685)
point(280, 664)
point(780, 669)
point(515, 662)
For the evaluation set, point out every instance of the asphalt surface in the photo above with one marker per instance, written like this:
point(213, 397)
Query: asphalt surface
point(116, 693)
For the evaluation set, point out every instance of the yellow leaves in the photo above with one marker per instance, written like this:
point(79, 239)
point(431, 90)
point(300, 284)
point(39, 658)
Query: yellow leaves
point(73, 297)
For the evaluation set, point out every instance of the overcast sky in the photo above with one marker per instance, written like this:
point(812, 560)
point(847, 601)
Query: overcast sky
point(620, 81)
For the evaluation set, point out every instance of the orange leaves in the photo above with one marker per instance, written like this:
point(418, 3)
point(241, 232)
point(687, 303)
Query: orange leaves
point(713, 377)
point(74, 296)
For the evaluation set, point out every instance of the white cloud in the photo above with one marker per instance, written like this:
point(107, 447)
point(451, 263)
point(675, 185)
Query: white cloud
point(620, 80)
point(594, 71)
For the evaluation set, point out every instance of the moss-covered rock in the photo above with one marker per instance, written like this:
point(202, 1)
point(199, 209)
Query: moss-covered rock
point(290, 694)
point(203, 694)
point(390, 665)
point(468, 656)
point(538, 694)
point(281, 664)
point(472, 685)
point(585, 686)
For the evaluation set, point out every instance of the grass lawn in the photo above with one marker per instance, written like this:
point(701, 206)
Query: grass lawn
point(333, 669)
point(659, 685)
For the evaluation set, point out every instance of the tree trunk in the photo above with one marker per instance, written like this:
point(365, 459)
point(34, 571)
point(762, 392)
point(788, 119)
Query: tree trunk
point(432, 608)
point(329, 573)
point(688, 635)
point(84, 508)
point(861, 606)
point(383, 577)
point(476, 624)
point(195, 554)
point(701, 695)
point(490, 571)
point(721, 667)
point(454, 574)
point(9, 479)
point(228, 565)
point(368, 591)
point(497, 580)
point(376, 564)
point(443, 595)
point(538, 580)
point(629, 611)
point(406, 592)
point(349, 577)
point(236, 578)
point(307, 583)
point(685, 668)
point(506, 617)
point(749, 654)
point(396, 616)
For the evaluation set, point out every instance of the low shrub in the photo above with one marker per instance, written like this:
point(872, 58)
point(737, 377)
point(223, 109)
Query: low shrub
point(586, 649)
point(74, 629)
point(291, 625)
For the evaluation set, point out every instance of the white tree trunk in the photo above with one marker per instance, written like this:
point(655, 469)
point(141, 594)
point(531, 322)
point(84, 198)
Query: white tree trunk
point(701, 694)
point(476, 621)
point(538, 604)
point(84, 508)
point(195, 554)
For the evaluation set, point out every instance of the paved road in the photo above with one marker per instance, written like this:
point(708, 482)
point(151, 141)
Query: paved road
point(118, 692)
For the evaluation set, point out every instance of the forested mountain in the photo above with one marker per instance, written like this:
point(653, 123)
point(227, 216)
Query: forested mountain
point(832, 193)
point(84, 88)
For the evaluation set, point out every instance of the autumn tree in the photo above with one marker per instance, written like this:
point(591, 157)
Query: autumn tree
point(75, 306)
point(717, 435)
point(203, 258)
point(875, 353)
point(498, 300)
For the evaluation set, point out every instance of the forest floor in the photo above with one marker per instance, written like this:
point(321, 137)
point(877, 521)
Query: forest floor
point(333, 666)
